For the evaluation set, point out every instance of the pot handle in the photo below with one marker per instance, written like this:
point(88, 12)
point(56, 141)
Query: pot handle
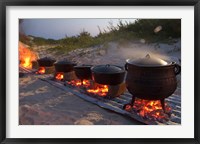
point(126, 67)
point(177, 69)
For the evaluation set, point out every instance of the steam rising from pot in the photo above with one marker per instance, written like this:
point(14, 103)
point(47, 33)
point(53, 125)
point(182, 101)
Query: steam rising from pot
point(140, 51)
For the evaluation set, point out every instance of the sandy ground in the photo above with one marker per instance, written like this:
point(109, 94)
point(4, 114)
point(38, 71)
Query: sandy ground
point(41, 103)
point(44, 104)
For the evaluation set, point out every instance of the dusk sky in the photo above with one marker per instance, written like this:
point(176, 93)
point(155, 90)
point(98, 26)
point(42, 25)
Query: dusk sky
point(59, 28)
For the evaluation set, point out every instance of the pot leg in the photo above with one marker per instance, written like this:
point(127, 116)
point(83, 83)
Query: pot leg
point(133, 101)
point(129, 106)
point(162, 101)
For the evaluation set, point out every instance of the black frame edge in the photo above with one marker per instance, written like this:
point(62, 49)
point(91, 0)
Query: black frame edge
point(197, 70)
point(4, 3)
point(101, 3)
point(3, 73)
point(101, 141)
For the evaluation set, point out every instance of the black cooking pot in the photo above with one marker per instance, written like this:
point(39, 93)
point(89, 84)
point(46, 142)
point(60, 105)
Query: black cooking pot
point(46, 62)
point(151, 78)
point(64, 66)
point(108, 74)
point(83, 71)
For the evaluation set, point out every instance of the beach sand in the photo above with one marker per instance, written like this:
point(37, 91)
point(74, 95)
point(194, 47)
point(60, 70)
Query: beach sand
point(43, 104)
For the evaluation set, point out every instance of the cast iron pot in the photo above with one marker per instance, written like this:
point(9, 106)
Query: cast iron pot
point(83, 72)
point(46, 62)
point(108, 74)
point(151, 78)
point(64, 66)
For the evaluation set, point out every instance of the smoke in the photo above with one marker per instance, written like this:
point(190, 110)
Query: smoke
point(135, 51)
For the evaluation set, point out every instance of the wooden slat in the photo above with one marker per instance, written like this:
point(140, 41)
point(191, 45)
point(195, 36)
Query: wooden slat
point(174, 102)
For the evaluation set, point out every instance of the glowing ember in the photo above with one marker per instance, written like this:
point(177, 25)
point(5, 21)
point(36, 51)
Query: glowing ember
point(59, 76)
point(100, 90)
point(84, 83)
point(128, 107)
point(41, 70)
point(26, 56)
point(151, 109)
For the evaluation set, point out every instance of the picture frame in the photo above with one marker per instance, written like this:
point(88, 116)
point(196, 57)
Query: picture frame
point(3, 76)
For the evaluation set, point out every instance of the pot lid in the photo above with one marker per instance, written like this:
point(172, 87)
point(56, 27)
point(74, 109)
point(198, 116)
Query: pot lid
point(65, 61)
point(83, 66)
point(148, 61)
point(47, 59)
point(107, 69)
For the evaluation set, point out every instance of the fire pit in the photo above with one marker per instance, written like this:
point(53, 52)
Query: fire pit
point(98, 90)
point(107, 91)
point(107, 80)
point(64, 70)
point(146, 111)
point(45, 65)
point(150, 78)
point(26, 56)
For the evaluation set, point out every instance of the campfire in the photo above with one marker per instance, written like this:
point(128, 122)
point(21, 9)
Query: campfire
point(92, 88)
point(45, 65)
point(100, 84)
point(79, 83)
point(100, 90)
point(59, 76)
point(41, 70)
point(65, 76)
point(26, 56)
point(150, 109)
point(146, 109)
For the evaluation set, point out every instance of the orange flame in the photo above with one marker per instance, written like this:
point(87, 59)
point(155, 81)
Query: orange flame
point(100, 90)
point(153, 109)
point(26, 56)
point(84, 83)
point(59, 76)
point(41, 70)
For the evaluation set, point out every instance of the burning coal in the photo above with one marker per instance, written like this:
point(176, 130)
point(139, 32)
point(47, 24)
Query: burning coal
point(26, 56)
point(150, 109)
point(59, 76)
point(96, 89)
point(41, 70)
point(77, 83)
point(100, 90)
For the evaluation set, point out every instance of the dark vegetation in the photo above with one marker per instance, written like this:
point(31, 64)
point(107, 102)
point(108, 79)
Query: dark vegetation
point(123, 32)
